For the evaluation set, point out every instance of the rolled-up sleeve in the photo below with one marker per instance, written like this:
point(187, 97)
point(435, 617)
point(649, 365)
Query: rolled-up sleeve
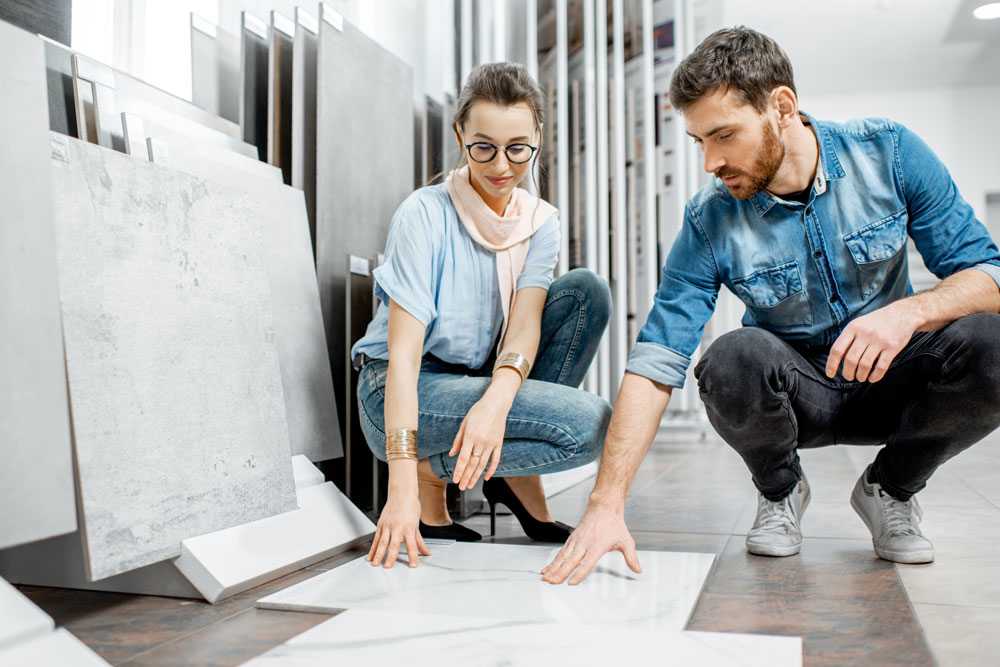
point(543, 254)
point(406, 276)
point(685, 299)
point(943, 225)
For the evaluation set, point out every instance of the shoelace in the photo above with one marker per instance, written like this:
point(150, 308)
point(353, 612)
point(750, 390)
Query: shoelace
point(899, 515)
point(776, 514)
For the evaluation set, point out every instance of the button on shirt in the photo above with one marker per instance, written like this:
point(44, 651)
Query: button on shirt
point(805, 270)
point(437, 273)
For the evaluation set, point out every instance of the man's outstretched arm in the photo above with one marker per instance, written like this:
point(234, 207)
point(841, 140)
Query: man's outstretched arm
point(634, 422)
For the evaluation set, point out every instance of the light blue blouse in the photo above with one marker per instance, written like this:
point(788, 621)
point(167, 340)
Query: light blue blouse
point(437, 273)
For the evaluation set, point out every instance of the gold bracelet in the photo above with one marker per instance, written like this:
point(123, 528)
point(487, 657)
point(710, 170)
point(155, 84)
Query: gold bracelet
point(401, 443)
point(516, 361)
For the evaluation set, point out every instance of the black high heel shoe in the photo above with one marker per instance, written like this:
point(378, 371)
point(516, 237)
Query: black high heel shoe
point(453, 531)
point(497, 490)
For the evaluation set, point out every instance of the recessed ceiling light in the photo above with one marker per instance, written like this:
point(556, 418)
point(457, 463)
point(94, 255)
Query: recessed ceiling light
point(987, 11)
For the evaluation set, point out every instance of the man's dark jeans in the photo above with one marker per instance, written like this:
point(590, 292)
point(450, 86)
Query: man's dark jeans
point(767, 398)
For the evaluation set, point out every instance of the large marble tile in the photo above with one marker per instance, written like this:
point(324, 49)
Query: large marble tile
point(383, 638)
point(36, 475)
point(215, 69)
point(178, 413)
point(963, 573)
point(502, 581)
point(961, 636)
point(20, 619)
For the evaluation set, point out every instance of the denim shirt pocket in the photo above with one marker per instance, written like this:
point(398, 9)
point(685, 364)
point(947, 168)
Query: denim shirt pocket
point(877, 249)
point(775, 296)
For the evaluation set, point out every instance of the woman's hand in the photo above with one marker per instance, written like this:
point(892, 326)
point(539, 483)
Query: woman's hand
point(399, 522)
point(479, 440)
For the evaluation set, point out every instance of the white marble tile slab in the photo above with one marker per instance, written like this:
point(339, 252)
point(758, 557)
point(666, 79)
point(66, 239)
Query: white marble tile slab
point(20, 619)
point(502, 581)
point(56, 648)
point(36, 475)
point(363, 637)
point(178, 412)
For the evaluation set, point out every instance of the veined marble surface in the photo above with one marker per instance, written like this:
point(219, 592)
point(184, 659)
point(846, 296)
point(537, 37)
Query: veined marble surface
point(362, 637)
point(503, 582)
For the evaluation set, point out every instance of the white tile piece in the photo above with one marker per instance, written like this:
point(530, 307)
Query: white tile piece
point(361, 637)
point(178, 412)
point(20, 619)
point(36, 475)
point(502, 581)
point(56, 648)
point(305, 473)
point(231, 561)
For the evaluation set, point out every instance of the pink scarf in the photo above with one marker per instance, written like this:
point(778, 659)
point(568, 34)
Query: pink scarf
point(505, 235)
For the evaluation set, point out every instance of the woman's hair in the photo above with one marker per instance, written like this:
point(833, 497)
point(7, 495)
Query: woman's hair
point(503, 84)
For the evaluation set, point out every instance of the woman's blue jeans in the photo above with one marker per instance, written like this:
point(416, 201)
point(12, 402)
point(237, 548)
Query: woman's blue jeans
point(551, 426)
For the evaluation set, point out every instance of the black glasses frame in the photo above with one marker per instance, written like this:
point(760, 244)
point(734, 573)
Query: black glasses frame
point(496, 149)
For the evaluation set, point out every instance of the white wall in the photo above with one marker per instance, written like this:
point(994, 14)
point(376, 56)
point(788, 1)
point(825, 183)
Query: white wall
point(957, 123)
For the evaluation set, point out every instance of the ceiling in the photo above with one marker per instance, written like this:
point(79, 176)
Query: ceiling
point(852, 46)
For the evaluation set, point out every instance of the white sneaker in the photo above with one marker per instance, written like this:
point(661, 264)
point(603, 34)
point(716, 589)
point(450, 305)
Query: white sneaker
point(893, 523)
point(776, 529)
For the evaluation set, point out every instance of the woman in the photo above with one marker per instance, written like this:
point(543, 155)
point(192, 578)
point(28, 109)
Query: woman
point(468, 264)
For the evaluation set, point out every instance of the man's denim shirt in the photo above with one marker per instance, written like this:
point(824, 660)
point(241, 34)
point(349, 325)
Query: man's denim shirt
point(805, 271)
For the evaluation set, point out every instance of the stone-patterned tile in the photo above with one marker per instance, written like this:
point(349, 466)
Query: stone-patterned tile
point(232, 641)
point(963, 573)
point(671, 513)
point(824, 570)
point(944, 523)
point(834, 631)
point(961, 636)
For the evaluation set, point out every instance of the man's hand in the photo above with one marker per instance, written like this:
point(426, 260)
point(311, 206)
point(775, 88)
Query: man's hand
point(600, 531)
point(868, 344)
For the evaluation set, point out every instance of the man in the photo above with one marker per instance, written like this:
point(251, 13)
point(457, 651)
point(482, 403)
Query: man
point(806, 222)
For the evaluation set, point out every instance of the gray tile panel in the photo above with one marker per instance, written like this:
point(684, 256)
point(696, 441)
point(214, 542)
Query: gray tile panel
point(36, 475)
point(178, 411)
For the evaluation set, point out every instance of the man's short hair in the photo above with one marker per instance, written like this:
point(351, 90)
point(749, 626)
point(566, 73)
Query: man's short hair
point(737, 59)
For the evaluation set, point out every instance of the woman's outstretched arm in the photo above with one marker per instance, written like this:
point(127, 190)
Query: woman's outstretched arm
point(400, 518)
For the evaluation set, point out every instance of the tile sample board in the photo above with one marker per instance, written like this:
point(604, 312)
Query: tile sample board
point(215, 69)
point(362, 637)
point(502, 582)
point(36, 475)
point(279, 94)
point(253, 81)
point(51, 18)
point(305, 48)
point(364, 162)
point(178, 413)
point(310, 406)
point(62, 100)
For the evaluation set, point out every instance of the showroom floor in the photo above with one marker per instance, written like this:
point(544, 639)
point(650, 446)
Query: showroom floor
point(690, 495)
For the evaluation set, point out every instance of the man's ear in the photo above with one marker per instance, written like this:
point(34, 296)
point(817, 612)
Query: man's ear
point(784, 102)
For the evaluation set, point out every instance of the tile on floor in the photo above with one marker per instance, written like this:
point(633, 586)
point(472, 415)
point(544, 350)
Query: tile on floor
point(365, 637)
point(821, 519)
point(961, 636)
point(963, 573)
point(834, 632)
point(501, 581)
point(825, 570)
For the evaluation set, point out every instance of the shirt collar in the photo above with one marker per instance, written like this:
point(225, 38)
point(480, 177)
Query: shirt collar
point(830, 167)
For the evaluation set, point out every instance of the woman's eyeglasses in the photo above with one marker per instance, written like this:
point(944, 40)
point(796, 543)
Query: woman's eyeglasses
point(482, 151)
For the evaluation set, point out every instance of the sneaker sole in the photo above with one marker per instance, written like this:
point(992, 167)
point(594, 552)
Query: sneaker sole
point(772, 550)
point(905, 557)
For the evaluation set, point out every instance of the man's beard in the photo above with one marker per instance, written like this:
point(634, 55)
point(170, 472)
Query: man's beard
point(769, 159)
